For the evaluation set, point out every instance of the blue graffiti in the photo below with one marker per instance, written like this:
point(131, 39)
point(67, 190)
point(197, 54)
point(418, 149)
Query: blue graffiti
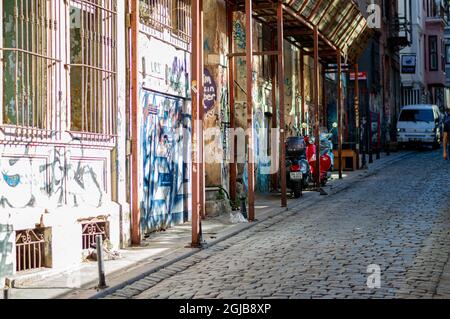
point(165, 174)
point(262, 178)
point(11, 180)
point(239, 34)
point(176, 76)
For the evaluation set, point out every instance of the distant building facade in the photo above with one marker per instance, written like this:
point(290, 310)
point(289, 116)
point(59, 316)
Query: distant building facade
point(424, 61)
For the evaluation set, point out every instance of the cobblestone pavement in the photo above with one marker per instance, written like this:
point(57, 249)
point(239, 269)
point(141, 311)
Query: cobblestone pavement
point(398, 219)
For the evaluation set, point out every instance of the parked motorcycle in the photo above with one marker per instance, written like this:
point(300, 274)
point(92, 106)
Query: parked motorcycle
point(326, 148)
point(297, 167)
point(326, 157)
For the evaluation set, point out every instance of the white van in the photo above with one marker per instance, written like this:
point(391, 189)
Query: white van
point(420, 124)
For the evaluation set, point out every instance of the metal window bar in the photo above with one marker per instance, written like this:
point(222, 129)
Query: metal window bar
point(93, 66)
point(30, 249)
point(174, 15)
point(31, 64)
point(90, 232)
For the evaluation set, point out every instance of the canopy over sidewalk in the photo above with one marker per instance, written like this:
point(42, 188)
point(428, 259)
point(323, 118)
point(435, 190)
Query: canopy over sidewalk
point(340, 23)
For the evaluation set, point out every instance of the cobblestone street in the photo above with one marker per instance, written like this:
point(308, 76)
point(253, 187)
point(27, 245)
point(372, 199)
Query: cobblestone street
point(398, 219)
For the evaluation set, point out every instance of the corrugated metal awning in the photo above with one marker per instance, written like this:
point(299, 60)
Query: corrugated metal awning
point(340, 22)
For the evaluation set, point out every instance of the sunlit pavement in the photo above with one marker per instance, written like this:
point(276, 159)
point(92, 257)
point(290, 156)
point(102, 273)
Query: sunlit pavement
point(397, 220)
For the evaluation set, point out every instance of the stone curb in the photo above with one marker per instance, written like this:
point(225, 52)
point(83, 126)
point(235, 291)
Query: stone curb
point(115, 291)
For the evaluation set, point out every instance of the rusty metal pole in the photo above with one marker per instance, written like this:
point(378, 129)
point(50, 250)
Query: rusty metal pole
point(135, 212)
point(339, 111)
point(201, 114)
point(197, 127)
point(249, 65)
point(357, 117)
point(280, 38)
point(274, 106)
point(231, 87)
point(316, 104)
point(324, 98)
point(302, 90)
point(298, 116)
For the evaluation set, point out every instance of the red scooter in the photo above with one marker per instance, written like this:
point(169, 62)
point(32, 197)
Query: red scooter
point(325, 163)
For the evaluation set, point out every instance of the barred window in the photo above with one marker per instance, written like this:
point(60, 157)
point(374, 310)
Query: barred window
point(93, 66)
point(174, 15)
point(31, 65)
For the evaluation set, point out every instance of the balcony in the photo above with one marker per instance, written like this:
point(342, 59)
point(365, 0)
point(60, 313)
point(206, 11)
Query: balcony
point(399, 35)
point(171, 15)
point(438, 13)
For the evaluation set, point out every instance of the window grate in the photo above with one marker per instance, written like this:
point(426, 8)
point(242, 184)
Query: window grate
point(90, 232)
point(174, 15)
point(31, 54)
point(30, 249)
point(93, 66)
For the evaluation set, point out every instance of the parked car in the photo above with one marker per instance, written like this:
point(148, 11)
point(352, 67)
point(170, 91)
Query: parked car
point(420, 124)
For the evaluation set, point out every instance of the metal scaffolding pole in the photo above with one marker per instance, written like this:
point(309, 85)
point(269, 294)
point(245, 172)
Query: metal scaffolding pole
point(280, 38)
point(340, 111)
point(135, 211)
point(324, 98)
point(231, 90)
point(302, 90)
point(201, 112)
point(316, 105)
point(274, 105)
point(249, 66)
point(298, 116)
point(357, 116)
point(197, 124)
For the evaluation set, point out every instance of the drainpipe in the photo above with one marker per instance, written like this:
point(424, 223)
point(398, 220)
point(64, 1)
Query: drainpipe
point(135, 213)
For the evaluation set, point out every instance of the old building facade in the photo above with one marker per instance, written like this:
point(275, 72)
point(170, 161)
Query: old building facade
point(62, 101)
point(380, 84)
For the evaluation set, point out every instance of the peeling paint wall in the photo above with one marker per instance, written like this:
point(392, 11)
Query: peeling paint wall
point(216, 65)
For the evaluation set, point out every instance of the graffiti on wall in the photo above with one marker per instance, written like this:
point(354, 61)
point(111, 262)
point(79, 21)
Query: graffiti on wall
point(165, 130)
point(261, 138)
point(210, 91)
point(51, 181)
point(239, 34)
point(84, 183)
point(176, 76)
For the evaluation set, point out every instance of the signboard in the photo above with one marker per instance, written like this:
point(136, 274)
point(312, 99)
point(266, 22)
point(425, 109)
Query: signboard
point(361, 76)
point(409, 64)
point(210, 91)
point(334, 66)
point(165, 70)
